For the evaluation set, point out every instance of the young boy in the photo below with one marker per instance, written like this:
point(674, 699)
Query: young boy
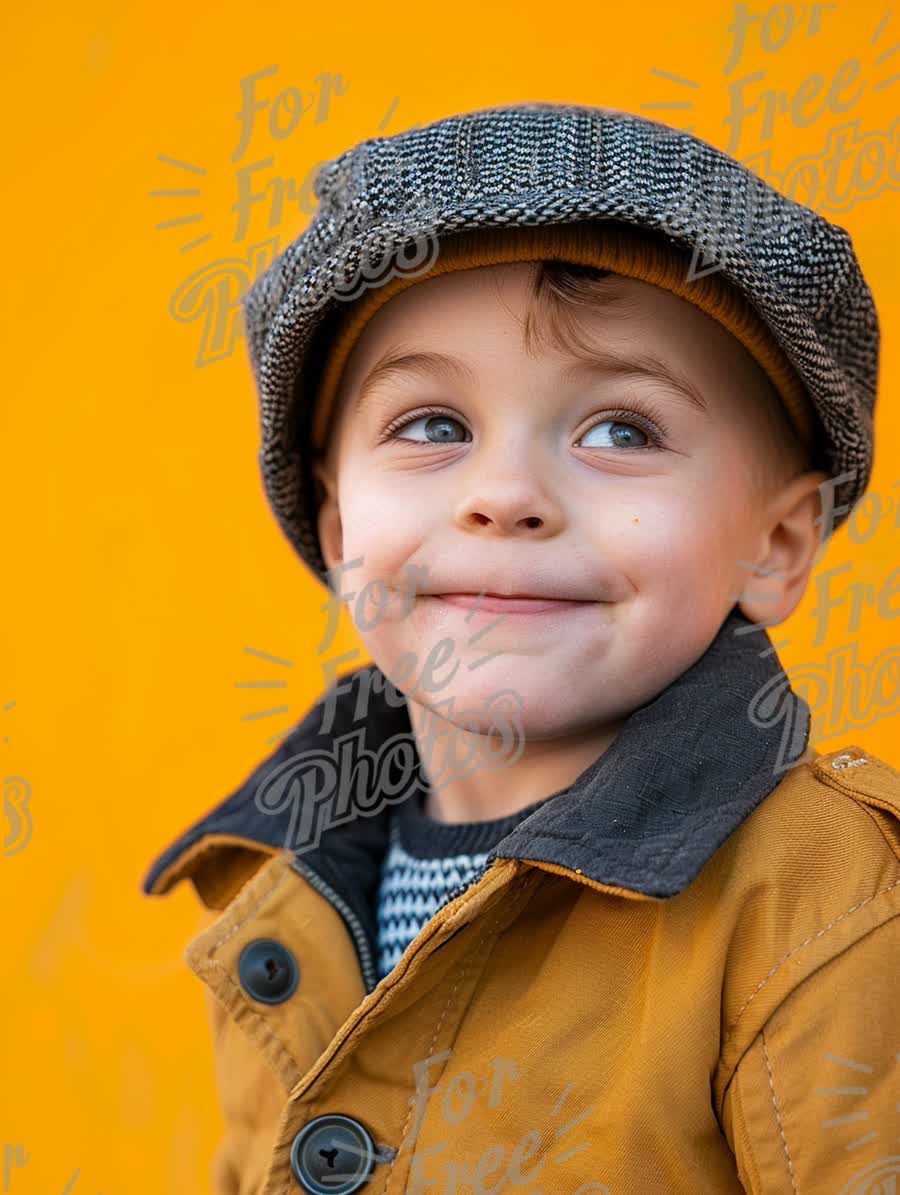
point(563, 480)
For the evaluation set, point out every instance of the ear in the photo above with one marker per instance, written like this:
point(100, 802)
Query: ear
point(792, 532)
point(331, 534)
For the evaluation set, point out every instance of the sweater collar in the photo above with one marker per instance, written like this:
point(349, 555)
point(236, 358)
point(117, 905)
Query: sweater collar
point(683, 773)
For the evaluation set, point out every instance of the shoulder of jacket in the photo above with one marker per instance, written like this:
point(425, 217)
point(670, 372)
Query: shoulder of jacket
point(840, 804)
point(814, 869)
point(869, 782)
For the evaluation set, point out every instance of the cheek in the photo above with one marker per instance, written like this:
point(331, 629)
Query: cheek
point(381, 536)
point(685, 539)
point(377, 525)
point(653, 532)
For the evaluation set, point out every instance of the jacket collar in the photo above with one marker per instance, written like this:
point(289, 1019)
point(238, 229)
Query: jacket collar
point(683, 773)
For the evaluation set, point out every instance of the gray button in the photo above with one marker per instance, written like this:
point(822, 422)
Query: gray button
point(268, 971)
point(333, 1155)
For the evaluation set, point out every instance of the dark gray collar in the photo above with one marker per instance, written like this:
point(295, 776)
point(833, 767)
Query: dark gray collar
point(685, 770)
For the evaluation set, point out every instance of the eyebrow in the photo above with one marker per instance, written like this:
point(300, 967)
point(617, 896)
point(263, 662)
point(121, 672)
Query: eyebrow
point(436, 365)
point(604, 362)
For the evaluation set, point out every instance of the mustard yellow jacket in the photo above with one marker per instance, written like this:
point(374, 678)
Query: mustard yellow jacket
point(681, 975)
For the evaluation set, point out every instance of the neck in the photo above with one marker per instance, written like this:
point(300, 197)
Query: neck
point(472, 779)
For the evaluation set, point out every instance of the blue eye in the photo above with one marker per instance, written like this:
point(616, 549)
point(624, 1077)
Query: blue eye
point(438, 429)
point(434, 426)
point(621, 435)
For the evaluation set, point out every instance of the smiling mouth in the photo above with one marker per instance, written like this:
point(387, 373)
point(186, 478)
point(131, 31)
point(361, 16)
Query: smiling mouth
point(497, 604)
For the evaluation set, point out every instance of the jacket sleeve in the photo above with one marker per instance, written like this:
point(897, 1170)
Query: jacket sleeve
point(812, 1108)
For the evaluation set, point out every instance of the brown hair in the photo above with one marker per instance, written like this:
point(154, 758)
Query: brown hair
point(561, 289)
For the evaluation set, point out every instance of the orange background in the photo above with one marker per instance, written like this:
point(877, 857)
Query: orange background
point(140, 558)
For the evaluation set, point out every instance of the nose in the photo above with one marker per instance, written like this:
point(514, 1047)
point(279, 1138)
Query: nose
point(509, 508)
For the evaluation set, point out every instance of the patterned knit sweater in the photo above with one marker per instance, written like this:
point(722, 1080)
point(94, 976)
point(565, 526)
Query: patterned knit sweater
point(427, 863)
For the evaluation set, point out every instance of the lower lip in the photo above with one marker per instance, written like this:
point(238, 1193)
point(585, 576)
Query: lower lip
point(496, 605)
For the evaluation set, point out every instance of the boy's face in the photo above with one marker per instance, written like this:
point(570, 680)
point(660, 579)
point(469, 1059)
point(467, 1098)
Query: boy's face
point(635, 523)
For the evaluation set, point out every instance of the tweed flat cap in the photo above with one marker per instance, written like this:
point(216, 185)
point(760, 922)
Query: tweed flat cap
point(386, 204)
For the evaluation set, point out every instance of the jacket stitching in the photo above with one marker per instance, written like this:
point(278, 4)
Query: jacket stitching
point(812, 938)
point(286, 1059)
point(252, 911)
point(787, 1152)
point(462, 975)
point(668, 852)
point(865, 799)
point(872, 815)
point(843, 783)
